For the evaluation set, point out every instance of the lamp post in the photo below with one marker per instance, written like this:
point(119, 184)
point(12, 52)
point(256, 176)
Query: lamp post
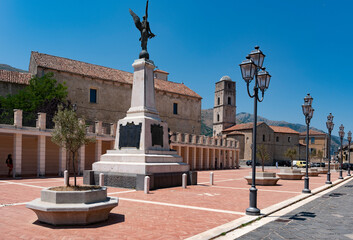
point(341, 134)
point(250, 68)
point(329, 125)
point(349, 152)
point(308, 112)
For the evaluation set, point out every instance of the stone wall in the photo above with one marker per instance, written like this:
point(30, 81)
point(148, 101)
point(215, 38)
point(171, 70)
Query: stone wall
point(7, 88)
point(114, 99)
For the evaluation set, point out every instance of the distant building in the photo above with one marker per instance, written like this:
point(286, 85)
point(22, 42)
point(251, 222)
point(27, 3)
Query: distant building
point(317, 141)
point(224, 111)
point(275, 139)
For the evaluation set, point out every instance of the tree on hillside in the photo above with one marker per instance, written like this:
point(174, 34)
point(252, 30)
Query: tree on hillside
point(263, 155)
point(69, 133)
point(43, 94)
point(291, 153)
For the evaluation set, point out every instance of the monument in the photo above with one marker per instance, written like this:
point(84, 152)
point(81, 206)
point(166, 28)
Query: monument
point(142, 140)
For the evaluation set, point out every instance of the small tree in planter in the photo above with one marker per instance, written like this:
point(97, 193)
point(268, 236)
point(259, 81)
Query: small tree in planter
point(291, 153)
point(263, 155)
point(69, 133)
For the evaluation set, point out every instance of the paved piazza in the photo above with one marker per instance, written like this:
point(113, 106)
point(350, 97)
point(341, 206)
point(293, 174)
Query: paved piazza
point(172, 213)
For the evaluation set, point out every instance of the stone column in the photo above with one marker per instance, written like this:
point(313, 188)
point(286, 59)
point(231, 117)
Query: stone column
point(201, 159)
point(219, 159)
point(81, 157)
point(213, 151)
point(194, 157)
point(98, 126)
point(98, 150)
point(17, 118)
point(41, 156)
point(17, 153)
point(113, 130)
point(41, 121)
point(62, 161)
point(187, 155)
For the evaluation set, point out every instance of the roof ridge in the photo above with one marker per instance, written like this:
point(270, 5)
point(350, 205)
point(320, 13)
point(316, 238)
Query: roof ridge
point(81, 62)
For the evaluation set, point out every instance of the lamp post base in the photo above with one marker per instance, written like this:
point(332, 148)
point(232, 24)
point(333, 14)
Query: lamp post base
point(340, 177)
point(328, 181)
point(306, 190)
point(253, 210)
point(306, 185)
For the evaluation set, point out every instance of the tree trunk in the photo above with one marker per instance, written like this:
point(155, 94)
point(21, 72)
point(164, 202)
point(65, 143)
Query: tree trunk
point(263, 165)
point(74, 169)
point(291, 164)
point(68, 168)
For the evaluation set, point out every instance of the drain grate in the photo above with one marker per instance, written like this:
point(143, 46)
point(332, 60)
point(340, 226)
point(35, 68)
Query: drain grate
point(282, 220)
point(336, 194)
point(349, 186)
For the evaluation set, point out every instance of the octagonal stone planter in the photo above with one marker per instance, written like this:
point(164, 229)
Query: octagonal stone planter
point(312, 172)
point(290, 174)
point(263, 178)
point(322, 170)
point(73, 207)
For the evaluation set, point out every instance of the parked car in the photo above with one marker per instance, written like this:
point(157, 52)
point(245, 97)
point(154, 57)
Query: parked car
point(345, 166)
point(301, 164)
point(248, 163)
point(314, 164)
point(286, 163)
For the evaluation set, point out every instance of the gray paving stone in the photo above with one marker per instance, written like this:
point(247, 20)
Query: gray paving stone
point(328, 217)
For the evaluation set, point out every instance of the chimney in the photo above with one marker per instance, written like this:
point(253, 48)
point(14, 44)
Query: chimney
point(162, 75)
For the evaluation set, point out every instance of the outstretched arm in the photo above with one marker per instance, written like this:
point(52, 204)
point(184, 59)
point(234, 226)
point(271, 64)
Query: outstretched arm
point(146, 10)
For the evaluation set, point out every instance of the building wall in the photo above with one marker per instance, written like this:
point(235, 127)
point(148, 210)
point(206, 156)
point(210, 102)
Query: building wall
point(6, 148)
point(114, 99)
point(286, 141)
point(51, 157)
point(7, 88)
point(319, 144)
point(29, 155)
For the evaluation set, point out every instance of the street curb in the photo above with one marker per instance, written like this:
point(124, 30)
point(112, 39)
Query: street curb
point(246, 220)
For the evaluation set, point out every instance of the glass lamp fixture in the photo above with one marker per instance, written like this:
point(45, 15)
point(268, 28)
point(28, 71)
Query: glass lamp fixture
point(248, 69)
point(263, 79)
point(257, 56)
point(341, 131)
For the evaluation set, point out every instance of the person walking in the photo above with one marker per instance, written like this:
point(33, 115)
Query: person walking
point(9, 164)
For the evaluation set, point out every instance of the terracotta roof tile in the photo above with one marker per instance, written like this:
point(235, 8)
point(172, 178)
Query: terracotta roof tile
point(313, 132)
point(243, 126)
point(105, 73)
point(279, 129)
point(15, 77)
point(161, 71)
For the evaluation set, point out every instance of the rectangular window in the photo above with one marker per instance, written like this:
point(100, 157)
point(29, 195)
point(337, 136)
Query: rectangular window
point(277, 139)
point(312, 140)
point(93, 95)
point(288, 139)
point(263, 138)
point(175, 108)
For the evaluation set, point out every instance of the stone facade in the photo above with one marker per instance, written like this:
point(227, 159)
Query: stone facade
point(317, 141)
point(12, 82)
point(276, 141)
point(178, 105)
point(224, 110)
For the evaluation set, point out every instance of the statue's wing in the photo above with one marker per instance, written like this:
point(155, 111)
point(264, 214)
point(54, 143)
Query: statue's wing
point(136, 20)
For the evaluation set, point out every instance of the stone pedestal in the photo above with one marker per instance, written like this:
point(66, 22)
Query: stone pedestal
point(142, 143)
point(290, 174)
point(263, 178)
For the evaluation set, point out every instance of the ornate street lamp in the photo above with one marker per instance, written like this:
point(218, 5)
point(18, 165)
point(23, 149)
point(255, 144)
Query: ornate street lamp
point(250, 68)
point(329, 125)
point(341, 134)
point(349, 152)
point(308, 112)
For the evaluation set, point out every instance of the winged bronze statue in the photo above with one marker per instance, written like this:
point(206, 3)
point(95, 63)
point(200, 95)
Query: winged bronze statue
point(144, 28)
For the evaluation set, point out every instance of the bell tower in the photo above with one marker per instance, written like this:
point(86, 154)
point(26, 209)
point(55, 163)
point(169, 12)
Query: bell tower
point(224, 110)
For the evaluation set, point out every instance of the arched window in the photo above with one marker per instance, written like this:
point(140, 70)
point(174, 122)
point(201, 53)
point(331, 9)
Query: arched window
point(217, 117)
point(229, 101)
point(263, 138)
point(218, 101)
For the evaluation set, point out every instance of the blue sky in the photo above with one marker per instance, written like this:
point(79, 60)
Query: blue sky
point(308, 45)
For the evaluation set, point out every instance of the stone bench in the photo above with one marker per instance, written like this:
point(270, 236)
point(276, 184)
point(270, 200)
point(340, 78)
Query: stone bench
point(73, 207)
point(290, 174)
point(263, 178)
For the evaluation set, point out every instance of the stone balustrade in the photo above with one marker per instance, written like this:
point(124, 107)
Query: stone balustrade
point(186, 138)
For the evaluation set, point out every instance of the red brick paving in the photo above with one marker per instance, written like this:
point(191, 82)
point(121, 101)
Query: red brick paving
point(140, 220)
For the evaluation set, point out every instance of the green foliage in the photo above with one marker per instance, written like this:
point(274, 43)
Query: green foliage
point(40, 90)
point(42, 95)
point(70, 133)
point(263, 155)
point(291, 153)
